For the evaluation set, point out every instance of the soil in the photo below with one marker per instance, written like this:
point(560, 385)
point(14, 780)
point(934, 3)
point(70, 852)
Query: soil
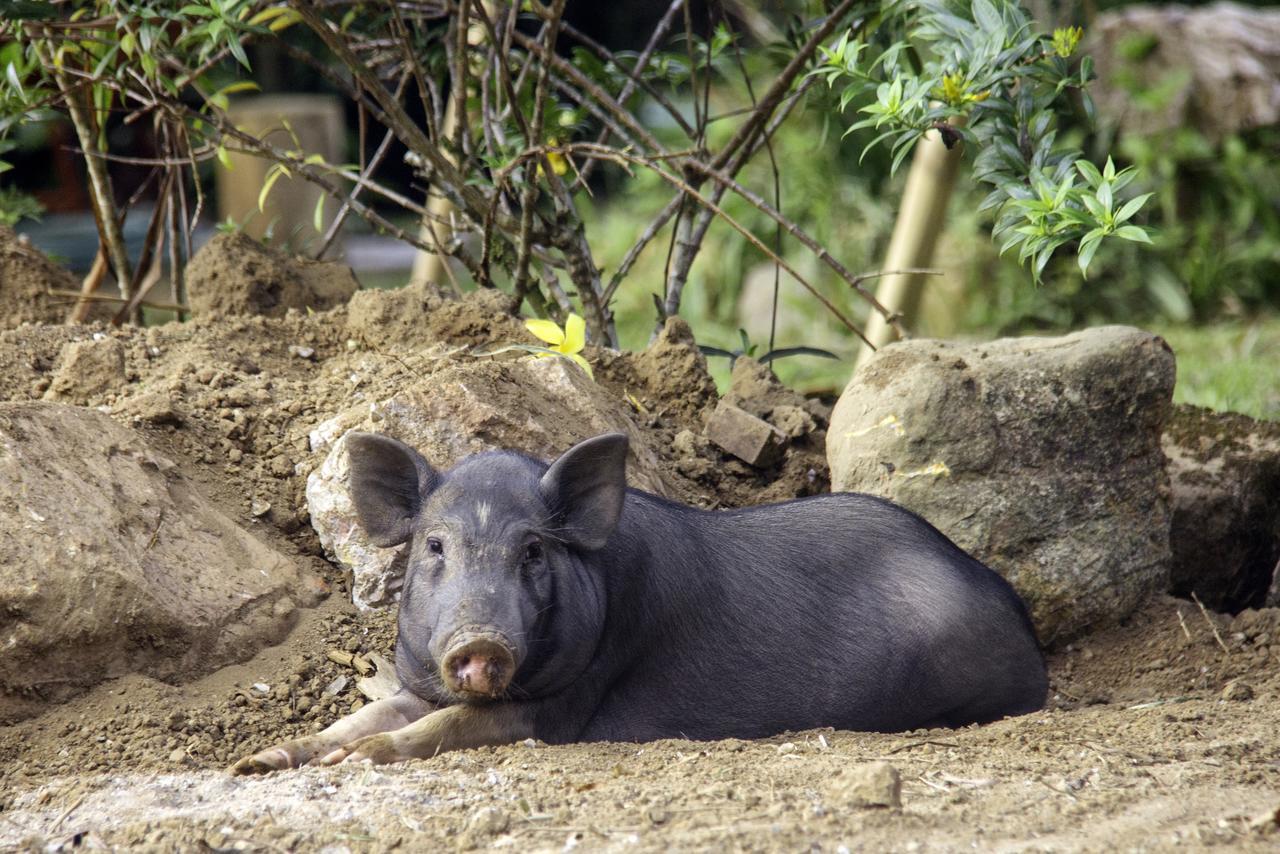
point(1161, 732)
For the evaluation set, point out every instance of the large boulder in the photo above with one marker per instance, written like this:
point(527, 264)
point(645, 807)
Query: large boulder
point(110, 562)
point(1216, 67)
point(1225, 472)
point(234, 275)
point(538, 406)
point(1039, 456)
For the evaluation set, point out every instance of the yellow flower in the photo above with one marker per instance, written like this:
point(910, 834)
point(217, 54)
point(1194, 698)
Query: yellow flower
point(954, 91)
point(567, 342)
point(1065, 40)
point(559, 163)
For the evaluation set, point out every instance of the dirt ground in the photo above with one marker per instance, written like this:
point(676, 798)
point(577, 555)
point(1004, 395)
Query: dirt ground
point(1163, 732)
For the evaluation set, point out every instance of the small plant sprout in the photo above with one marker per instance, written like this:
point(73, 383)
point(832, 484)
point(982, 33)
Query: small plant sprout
point(566, 343)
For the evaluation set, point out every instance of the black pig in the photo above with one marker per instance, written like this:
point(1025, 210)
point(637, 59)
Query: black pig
point(553, 602)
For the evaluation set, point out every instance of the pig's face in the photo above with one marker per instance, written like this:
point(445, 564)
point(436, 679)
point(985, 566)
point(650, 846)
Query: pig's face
point(497, 599)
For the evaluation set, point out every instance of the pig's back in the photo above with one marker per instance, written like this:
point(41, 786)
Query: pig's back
point(840, 610)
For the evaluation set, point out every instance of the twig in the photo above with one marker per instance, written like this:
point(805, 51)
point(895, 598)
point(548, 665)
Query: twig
point(73, 296)
point(664, 24)
point(530, 197)
point(914, 744)
point(361, 182)
point(1183, 623)
point(58, 822)
point(1213, 628)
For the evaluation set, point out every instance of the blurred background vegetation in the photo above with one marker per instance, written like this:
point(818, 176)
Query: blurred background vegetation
point(1210, 282)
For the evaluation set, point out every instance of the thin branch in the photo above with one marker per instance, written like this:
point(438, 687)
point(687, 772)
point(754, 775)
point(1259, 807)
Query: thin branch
point(686, 189)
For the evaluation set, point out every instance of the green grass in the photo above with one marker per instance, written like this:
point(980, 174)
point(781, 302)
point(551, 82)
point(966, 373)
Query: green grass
point(1229, 366)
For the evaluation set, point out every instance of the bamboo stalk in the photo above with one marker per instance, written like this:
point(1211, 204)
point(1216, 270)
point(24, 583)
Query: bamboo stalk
point(915, 236)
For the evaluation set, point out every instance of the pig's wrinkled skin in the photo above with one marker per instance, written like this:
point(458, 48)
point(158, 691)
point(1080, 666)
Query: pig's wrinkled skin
point(554, 603)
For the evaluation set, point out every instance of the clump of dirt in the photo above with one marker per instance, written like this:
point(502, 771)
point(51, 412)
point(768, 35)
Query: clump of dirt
point(87, 369)
point(234, 275)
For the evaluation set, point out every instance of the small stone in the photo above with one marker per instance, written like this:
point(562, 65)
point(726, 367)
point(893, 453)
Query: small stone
point(753, 440)
point(786, 748)
point(1237, 691)
point(875, 784)
point(488, 821)
point(259, 508)
point(308, 353)
point(178, 755)
point(336, 687)
point(657, 815)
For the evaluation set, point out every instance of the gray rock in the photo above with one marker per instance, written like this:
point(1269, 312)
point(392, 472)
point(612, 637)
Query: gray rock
point(538, 406)
point(1217, 66)
point(753, 440)
point(1039, 456)
point(1224, 469)
point(110, 563)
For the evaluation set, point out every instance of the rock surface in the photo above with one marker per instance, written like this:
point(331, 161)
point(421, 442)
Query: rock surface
point(1217, 67)
point(538, 406)
point(1224, 469)
point(111, 563)
point(235, 275)
point(1039, 456)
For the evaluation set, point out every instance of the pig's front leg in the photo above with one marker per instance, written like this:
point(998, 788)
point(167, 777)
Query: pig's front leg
point(393, 713)
point(451, 728)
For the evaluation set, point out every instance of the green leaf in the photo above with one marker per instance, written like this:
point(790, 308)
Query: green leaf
point(986, 17)
point(317, 217)
point(1090, 172)
point(1131, 207)
point(1133, 232)
point(1104, 194)
point(273, 175)
point(1087, 250)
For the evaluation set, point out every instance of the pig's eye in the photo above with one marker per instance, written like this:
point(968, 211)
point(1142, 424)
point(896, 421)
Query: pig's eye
point(435, 546)
point(533, 552)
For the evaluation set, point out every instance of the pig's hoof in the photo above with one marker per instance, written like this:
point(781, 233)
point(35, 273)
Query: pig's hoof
point(377, 749)
point(276, 759)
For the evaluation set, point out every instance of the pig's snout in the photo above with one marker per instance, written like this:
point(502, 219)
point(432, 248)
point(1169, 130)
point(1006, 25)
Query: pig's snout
point(480, 666)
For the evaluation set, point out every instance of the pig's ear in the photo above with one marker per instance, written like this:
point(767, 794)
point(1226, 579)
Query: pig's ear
point(388, 482)
point(585, 489)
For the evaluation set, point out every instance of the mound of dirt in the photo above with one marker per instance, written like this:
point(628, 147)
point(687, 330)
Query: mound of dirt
point(234, 275)
point(110, 563)
point(27, 279)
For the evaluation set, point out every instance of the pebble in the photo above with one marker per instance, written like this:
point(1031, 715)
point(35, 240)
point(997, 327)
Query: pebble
point(1237, 691)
